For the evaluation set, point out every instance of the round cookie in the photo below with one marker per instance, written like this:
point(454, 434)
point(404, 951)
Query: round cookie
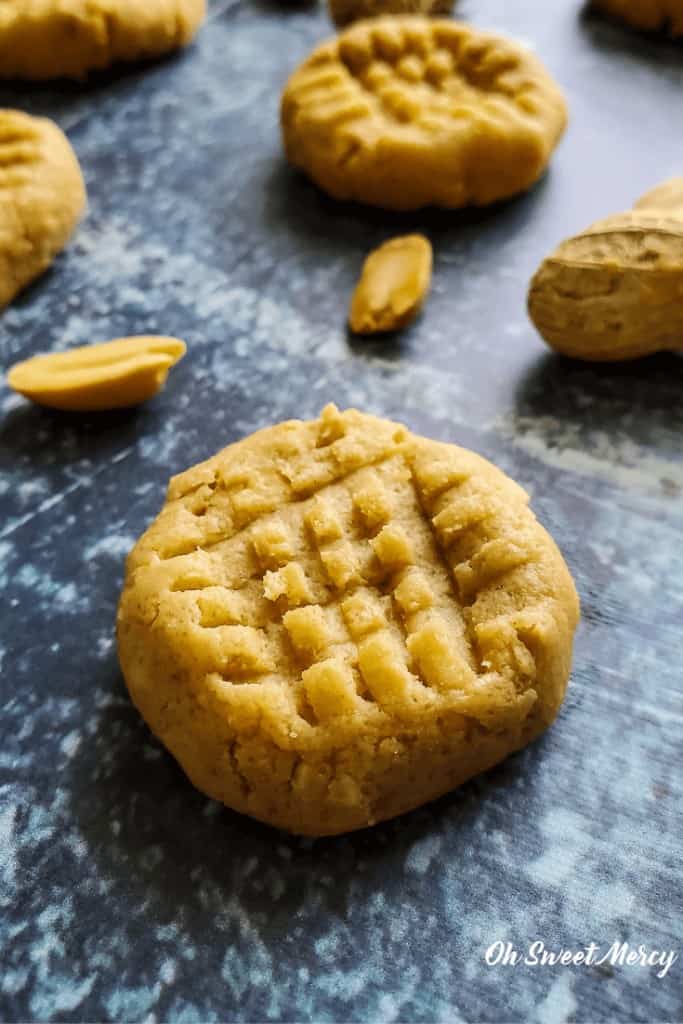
point(42, 39)
point(649, 15)
point(42, 198)
point(409, 111)
point(331, 622)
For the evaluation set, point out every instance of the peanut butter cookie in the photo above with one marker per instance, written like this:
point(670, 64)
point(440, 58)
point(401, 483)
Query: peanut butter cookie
point(41, 39)
point(42, 198)
point(343, 12)
point(404, 112)
point(649, 15)
point(332, 622)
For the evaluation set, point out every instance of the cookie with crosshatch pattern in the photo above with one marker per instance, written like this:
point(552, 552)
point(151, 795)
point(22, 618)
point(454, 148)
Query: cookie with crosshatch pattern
point(334, 621)
point(42, 198)
point(407, 111)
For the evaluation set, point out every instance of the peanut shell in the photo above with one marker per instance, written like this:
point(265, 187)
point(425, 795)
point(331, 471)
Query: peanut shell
point(615, 291)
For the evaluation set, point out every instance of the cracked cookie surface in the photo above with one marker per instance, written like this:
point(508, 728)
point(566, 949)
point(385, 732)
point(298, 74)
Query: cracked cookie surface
point(332, 622)
point(42, 39)
point(42, 198)
point(409, 111)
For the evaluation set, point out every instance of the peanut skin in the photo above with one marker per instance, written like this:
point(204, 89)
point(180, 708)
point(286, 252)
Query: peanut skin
point(615, 291)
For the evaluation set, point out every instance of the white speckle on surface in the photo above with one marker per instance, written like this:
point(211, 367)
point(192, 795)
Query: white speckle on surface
point(612, 900)
point(615, 461)
point(49, 591)
point(14, 980)
point(114, 546)
point(131, 1003)
point(11, 402)
point(8, 856)
point(30, 488)
point(70, 743)
point(104, 645)
point(77, 846)
point(167, 972)
point(565, 844)
point(327, 946)
point(60, 995)
point(559, 1005)
point(422, 854)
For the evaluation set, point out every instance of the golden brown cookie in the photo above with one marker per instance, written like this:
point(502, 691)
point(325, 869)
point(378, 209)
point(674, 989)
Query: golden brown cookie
point(343, 12)
point(41, 39)
point(332, 622)
point(404, 112)
point(650, 15)
point(42, 198)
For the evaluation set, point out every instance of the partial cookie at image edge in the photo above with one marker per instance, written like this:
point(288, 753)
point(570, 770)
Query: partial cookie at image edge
point(56, 40)
point(44, 198)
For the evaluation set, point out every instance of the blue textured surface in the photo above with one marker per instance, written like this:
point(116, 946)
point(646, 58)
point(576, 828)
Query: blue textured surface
point(124, 894)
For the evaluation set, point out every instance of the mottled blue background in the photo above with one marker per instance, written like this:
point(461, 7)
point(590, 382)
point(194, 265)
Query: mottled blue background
point(125, 895)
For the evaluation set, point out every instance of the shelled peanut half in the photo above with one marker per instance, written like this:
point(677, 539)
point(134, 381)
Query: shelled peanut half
point(393, 284)
point(110, 375)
